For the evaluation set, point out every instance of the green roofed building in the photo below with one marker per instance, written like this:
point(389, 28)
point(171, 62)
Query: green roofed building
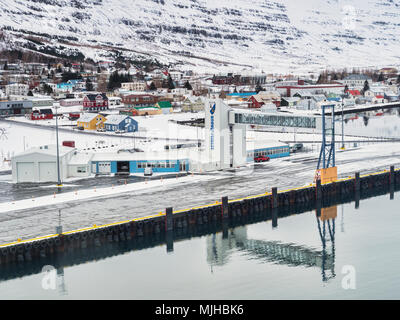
point(165, 106)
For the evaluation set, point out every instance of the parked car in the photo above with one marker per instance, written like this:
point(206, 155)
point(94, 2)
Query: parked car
point(101, 130)
point(73, 116)
point(296, 147)
point(81, 128)
point(119, 131)
point(261, 159)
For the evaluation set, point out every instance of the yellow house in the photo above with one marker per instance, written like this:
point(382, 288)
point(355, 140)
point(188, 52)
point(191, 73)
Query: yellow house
point(91, 121)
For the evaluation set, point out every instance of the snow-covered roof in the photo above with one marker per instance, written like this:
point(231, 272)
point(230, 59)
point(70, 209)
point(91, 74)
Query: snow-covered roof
point(87, 117)
point(357, 77)
point(50, 150)
point(116, 118)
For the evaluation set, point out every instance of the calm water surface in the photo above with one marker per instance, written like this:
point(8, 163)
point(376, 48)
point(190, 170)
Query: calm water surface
point(296, 260)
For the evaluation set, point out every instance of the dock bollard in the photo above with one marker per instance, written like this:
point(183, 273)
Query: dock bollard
point(391, 183)
point(169, 222)
point(274, 198)
point(357, 182)
point(225, 208)
point(318, 190)
point(391, 177)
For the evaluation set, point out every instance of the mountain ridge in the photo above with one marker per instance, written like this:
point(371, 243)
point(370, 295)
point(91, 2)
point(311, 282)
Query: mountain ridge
point(279, 35)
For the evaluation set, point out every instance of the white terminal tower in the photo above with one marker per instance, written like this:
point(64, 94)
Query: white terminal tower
point(225, 141)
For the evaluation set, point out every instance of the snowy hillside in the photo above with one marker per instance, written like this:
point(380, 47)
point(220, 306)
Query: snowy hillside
point(277, 36)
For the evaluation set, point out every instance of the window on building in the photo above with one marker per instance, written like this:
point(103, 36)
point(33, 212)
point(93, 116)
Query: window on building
point(81, 170)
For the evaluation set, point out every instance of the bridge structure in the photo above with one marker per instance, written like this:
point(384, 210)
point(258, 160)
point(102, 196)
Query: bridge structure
point(225, 131)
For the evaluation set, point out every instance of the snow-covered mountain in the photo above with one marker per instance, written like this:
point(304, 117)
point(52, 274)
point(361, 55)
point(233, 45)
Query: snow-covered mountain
point(276, 36)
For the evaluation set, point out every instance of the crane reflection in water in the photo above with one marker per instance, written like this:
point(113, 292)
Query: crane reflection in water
point(220, 247)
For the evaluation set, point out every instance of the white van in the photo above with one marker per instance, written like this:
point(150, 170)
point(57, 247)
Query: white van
point(148, 171)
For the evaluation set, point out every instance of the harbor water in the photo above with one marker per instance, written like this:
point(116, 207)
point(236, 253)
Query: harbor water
point(353, 254)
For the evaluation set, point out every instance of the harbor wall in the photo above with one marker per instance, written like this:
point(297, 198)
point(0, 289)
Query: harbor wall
point(167, 227)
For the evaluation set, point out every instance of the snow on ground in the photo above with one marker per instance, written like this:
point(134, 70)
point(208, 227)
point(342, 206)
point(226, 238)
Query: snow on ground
point(26, 134)
point(283, 173)
point(80, 195)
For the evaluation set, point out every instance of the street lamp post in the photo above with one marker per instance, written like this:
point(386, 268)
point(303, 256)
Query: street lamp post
point(59, 184)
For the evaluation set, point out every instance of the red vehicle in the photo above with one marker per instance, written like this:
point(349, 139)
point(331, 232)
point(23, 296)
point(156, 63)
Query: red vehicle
point(70, 144)
point(261, 159)
point(74, 116)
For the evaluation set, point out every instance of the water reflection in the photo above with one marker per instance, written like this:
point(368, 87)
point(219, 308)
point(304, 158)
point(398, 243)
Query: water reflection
point(326, 221)
point(374, 123)
point(220, 247)
point(62, 288)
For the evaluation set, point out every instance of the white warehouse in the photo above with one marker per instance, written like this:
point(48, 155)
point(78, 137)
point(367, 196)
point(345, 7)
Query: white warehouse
point(40, 164)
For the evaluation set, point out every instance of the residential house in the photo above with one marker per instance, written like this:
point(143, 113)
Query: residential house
point(91, 121)
point(95, 102)
point(64, 87)
point(288, 89)
point(41, 114)
point(353, 93)
point(379, 99)
point(134, 86)
point(264, 97)
point(241, 96)
point(139, 100)
point(289, 101)
point(17, 89)
point(375, 91)
point(356, 80)
point(311, 102)
point(388, 71)
point(176, 76)
point(141, 111)
point(193, 104)
point(78, 84)
point(391, 96)
point(71, 102)
point(165, 106)
point(119, 122)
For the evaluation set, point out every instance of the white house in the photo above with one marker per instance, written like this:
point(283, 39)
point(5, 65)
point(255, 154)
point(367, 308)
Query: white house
point(134, 86)
point(356, 80)
point(17, 89)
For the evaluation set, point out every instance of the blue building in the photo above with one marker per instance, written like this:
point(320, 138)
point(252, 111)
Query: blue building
point(127, 163)
point(64, 86)
point(241, 95)
point(119, 122)
point(273, 151)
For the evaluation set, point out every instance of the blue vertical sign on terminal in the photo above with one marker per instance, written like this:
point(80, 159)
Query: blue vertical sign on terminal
point(212, 111)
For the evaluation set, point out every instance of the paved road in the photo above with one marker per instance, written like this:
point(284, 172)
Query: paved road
point(92, 133)
point(282, 173)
